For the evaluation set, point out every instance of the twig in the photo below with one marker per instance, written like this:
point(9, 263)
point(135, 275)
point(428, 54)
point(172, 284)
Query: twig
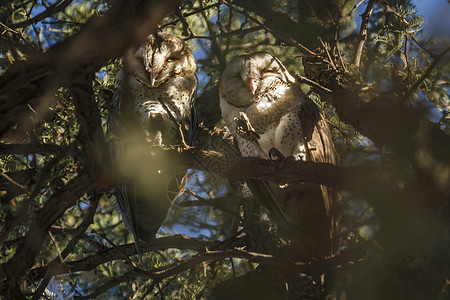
point(9, 29)
point(301, 47)
point(268, 29)
point(232, 267)
point(58, 250)
point(430, 68)
point(363, 31)
point(14, 182)
point(228, 27)
point(37, 37)
point(313, 83)
point(160, 288)
point(186, 29)
point(16, 7)
point(340, 57)
point(416, 42)
point(51, 10)
point(325, 46)
point(125, 256)
point(150, 289)
point(110, 284)
point(354, 8)
point(408, 68)
point(58, 262)
point(217, 203)
point(240, 32)
point(191, 13)
point(165, 285)
point(390, 10)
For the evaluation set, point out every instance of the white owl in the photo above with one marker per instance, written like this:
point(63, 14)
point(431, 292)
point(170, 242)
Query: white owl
point(267, 112)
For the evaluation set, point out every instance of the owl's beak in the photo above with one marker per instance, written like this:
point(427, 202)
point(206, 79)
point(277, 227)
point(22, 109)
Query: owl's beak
point(152, 78)
point(253, 85)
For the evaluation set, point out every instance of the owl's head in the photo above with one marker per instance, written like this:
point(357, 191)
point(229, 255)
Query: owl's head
point(161, 57)
point(256, 73)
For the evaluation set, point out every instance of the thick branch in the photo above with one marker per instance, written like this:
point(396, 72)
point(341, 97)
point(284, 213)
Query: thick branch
point(91, 132)
point(344, 178)
point(24, 149)
point(234, 168)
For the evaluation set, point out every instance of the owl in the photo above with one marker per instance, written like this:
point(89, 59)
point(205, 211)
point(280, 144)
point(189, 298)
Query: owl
point(153, 107)
point(270, 117)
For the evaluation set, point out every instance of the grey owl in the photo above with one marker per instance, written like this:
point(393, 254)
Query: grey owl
point(156, 92)
point(265, 110)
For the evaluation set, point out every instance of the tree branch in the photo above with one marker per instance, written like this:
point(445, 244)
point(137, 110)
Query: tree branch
point(316, 267)
point(25, 149)
point(91, 132)
point(114, 253)
point(56, 7)
point(427, 72)
point(363, 31)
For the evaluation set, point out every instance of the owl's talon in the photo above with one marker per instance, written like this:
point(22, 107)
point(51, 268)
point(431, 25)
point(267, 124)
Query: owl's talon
point(276, 155)
point(245, 128)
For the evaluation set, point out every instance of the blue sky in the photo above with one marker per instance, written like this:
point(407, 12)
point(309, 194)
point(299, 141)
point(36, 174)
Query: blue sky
point(436, 15)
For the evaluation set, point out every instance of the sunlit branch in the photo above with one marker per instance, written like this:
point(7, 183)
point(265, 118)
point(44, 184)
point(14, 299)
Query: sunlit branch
point(363, 31)
point(308, 81)
point(354, 8)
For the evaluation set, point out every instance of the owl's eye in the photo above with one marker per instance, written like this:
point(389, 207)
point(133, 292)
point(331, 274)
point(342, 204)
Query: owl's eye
point(172, 58)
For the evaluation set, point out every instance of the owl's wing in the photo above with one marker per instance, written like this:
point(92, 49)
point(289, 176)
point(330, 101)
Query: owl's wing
point(321, 149)
point(305, 212)
point(190, 118)
point(124, 203)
